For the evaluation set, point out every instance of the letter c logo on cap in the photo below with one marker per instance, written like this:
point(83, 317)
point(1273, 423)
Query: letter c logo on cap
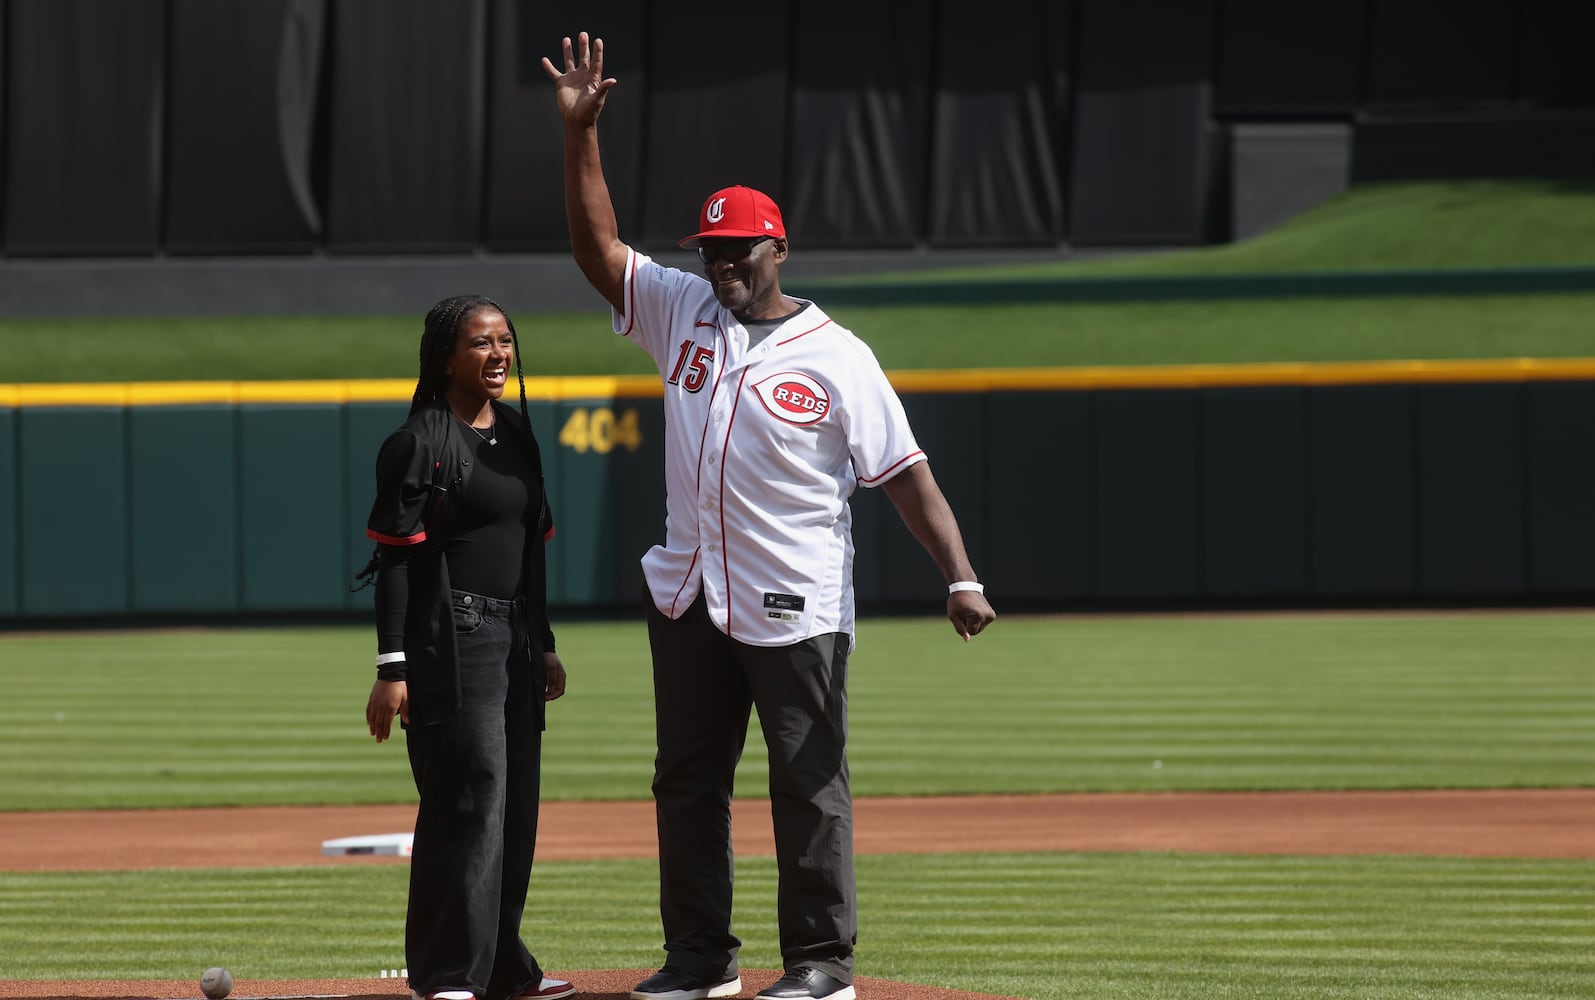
point(716, 210)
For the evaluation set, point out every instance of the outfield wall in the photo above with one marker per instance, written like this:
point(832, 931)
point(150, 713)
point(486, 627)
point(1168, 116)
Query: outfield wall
point(148, 128)
point(1384, 482)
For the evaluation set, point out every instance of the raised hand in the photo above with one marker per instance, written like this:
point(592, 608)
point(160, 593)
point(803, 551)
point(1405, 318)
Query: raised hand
point(581, 89)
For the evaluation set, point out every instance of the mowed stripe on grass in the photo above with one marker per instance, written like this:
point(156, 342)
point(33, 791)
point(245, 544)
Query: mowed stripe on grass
point(1035, 705)
point(1288, 702)
point(1040, 926)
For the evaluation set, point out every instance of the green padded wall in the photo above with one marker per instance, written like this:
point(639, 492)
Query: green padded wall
point(1147, 497)
point(72, 470)
point(583, 559)
point(1040, 513)
point(1470, 490)
point(292, 507)
point(183, 508)
point(10, 523)
point(873, 520)
point(542, 416)
point(951, 428)
point(1561, 486)
point(1331, 492)
point(604, 462)
point(1360, 482)
point(640, 499)
point(1254, 491)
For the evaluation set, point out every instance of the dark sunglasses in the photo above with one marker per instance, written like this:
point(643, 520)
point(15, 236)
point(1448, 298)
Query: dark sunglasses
point(731, 250)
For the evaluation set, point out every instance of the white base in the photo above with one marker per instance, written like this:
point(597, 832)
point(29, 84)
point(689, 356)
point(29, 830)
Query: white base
point(388, 844)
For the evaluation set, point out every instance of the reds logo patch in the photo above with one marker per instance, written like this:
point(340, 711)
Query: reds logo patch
point(794, 397)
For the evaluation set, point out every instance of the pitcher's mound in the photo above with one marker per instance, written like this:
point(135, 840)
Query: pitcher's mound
point(591, 984)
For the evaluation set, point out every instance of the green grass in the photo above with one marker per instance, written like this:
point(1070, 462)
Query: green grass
point(1259, 701)
point(136, 349)
point(903, 338)
point(1389, 226)
point(1397, 226)
point(201, 717)
point(1549, 325)
point(1047, 926)
point(1230, 332)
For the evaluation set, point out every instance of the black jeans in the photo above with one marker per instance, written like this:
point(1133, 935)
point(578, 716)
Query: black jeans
point(478, 773)
point(704, 686)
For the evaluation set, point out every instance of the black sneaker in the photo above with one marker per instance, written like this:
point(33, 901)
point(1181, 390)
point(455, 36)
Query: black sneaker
point(806, 984)
point(673, 984)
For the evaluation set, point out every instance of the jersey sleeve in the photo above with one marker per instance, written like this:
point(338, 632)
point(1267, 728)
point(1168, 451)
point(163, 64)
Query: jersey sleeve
point(404, 487)
point(654, 294)
point(879, 437)
point(392, 600)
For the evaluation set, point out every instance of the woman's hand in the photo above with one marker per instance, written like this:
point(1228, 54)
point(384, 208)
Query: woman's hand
point(555, 671)
point(388, 698)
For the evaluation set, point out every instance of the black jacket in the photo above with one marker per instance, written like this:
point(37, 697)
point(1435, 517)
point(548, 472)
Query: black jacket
point(420, 468)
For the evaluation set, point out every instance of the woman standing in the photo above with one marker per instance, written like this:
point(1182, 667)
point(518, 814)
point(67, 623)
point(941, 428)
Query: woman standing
point(465, 653)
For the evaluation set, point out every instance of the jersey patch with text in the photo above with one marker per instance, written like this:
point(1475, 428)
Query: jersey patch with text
point(794, 397)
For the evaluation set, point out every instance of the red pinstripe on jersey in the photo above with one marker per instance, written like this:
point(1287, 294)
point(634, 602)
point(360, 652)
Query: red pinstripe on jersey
point(675, 603)
point(892, 469)
point(631, 296)
point(719, 370)
point(805, 333)
point(725, 449)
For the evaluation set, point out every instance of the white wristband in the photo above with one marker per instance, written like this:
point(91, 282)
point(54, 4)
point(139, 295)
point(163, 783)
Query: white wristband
point(953, 588)
point(385, 658)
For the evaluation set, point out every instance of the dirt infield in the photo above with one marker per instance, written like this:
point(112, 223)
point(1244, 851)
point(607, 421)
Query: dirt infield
point(1540, 823)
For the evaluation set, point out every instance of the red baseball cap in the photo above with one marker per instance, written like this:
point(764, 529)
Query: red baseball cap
point(737, 211)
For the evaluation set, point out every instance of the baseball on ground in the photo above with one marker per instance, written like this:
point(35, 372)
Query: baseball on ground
point(216, 983)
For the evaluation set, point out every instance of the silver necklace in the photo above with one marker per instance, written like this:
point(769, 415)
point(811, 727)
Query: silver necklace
point(491, 430)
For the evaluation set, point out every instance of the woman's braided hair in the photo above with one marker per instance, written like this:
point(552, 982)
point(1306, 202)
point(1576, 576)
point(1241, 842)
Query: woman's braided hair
point(438, 335)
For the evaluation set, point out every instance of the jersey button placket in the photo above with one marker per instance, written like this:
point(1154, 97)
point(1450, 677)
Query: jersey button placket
point(710, 525)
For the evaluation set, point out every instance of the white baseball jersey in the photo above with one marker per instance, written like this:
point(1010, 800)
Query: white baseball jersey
point(762, 449)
